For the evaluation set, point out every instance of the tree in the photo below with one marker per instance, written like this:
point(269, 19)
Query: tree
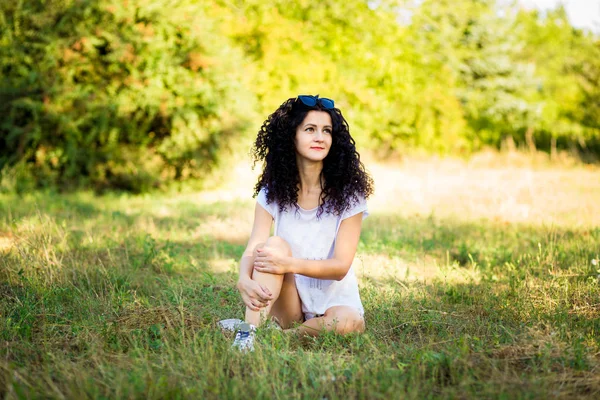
point(476, 41)
point(116, 94)
point(564, 57)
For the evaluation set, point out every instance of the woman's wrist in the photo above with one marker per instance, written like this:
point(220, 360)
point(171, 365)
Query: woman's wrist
point(290, 265)
point(242, 280)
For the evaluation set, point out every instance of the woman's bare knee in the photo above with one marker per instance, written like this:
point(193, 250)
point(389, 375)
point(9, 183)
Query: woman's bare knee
point(358, 325)
point(347, 325)
point(346, 320)
point(276, 241)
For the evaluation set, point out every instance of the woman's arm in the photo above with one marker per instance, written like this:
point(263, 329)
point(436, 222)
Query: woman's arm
point(261, 231)
point(270, 261)
point(255, 296)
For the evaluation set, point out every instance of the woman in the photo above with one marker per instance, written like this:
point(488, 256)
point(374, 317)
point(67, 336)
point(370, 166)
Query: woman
point(313, 188)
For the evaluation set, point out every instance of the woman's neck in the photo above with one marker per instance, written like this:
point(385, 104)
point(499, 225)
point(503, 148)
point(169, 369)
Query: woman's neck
point(310, 176)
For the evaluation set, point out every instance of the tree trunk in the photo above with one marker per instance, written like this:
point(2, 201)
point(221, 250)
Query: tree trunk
point(529, 139)
point(509, 143)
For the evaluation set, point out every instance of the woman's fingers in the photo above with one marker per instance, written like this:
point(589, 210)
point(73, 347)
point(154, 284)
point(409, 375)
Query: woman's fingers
point(261, 296)
point(264, 268)
point(253, 305)
point(275, 270)
point(259, 299)
point(263, 250)
point(256, 296)
point(261, 302)
point(251, 300)
point(259, 262)
point(262, 256)
point(258, 304)
point(266, 291)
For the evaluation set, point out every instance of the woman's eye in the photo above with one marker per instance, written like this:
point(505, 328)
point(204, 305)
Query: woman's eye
point(327, 131)
point(309, 129)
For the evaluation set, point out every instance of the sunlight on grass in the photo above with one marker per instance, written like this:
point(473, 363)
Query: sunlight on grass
point(477, 281)
point(499, 194)
point(6, 243)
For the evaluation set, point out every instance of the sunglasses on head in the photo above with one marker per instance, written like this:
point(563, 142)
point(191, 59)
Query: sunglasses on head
point(311, 101)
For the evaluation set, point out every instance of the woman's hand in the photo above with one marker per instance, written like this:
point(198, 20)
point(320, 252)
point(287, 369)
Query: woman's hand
point(272, 260)
point(255, 295)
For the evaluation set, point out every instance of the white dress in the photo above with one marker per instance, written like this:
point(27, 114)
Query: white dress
point(313, 238)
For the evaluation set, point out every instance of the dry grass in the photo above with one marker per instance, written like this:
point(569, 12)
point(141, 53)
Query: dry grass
point(475, 189)
point(479, 280)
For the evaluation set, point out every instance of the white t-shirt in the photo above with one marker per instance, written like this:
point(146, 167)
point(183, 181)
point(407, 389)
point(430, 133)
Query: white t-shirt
point(313, 238)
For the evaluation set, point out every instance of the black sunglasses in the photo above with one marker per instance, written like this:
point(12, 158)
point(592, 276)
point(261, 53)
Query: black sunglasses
point(311, 101)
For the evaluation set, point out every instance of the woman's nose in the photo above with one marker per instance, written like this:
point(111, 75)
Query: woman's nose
point(319, 136)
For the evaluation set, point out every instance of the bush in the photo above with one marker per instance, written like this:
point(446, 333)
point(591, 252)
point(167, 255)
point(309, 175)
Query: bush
point(115, 94)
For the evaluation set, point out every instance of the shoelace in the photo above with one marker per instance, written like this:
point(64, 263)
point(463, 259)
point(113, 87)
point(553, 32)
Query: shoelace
point(243, 334)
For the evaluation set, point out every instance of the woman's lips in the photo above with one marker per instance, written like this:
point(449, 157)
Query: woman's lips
point(317, 148)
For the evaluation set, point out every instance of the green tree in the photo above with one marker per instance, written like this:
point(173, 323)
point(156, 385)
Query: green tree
point(564, 57)
point(116, 94)
point(586, 70)
point(476, 41)
point(356, 52)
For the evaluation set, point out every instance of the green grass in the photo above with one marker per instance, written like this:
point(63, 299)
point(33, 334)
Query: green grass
point(118, 296)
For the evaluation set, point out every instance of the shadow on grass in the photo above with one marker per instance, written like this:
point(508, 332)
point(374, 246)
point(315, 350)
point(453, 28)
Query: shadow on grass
point(142, 265)
point(90, 281)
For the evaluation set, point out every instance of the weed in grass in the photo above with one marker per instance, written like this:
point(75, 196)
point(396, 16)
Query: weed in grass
point(118, 297)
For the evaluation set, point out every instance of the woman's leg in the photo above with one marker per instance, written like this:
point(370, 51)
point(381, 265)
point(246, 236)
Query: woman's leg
point(341, 319)
point(286, 305)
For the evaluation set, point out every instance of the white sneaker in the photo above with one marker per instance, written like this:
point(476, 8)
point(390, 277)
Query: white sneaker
point(244, 338)
point(229, 325)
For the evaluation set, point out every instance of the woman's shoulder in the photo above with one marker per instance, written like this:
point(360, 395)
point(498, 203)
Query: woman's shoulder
point(356, 204)
point(263, 200)
point(263, 195)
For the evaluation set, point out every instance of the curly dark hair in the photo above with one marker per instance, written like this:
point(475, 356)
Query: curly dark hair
point(344, 177)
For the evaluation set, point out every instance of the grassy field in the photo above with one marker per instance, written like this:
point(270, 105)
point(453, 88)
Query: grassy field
point(479, 279)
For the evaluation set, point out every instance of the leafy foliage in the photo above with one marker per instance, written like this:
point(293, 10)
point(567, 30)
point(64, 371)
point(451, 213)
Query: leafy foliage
point(134, 94)
point(115, 94)
point(565, 61)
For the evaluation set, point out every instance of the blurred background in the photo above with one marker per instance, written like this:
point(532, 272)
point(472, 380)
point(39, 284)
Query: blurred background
point(137, 94)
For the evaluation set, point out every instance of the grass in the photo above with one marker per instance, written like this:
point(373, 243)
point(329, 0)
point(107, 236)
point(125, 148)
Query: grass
point(478, 281)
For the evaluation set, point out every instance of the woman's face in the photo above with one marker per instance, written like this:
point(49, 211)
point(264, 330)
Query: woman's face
point(313, 136)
